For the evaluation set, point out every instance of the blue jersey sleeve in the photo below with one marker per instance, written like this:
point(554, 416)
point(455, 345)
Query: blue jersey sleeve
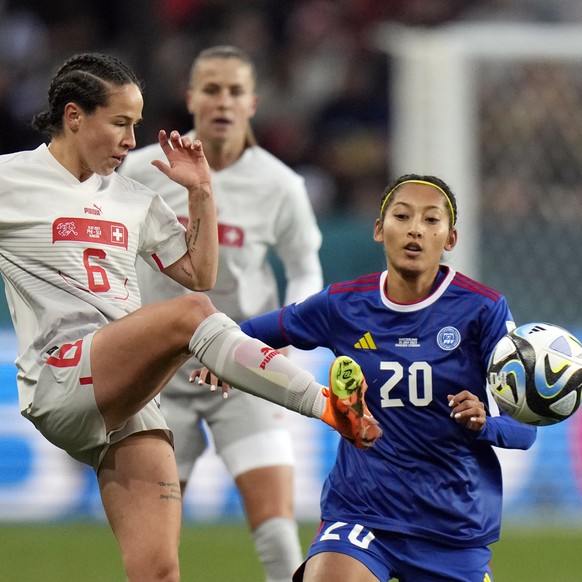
point(307, 323)
point(505, 432)
point(267, 328)
point(498, 322)
point(303, 325)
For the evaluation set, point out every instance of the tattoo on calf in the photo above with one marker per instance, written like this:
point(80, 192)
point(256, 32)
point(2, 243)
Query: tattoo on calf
point(171, 491)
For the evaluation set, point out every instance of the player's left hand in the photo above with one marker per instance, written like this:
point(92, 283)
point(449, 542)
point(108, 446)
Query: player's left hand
point(203, 376)
point(467, 410)
point(187, 165)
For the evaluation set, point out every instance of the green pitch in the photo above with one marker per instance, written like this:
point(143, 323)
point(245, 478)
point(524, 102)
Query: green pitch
point(72, 552)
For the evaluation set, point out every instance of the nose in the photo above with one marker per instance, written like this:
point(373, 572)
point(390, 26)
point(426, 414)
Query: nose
point(224, 97)
point(415, 228)
point(129, 140)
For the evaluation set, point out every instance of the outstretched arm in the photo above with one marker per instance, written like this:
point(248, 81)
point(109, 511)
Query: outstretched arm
point(500, 431)
point(187, 166)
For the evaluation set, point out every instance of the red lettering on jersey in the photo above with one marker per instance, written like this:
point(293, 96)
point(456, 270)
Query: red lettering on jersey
point(67, 356)
point(96, 210)
point(90, 230)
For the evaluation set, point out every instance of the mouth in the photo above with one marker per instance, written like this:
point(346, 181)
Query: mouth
point(413, 248)
point(221, 122)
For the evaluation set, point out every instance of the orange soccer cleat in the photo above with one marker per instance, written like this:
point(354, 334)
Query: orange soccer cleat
point(346, 409)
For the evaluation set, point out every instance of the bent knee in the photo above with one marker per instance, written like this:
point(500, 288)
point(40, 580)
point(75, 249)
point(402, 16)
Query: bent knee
point(155, 568)
point(197, 305)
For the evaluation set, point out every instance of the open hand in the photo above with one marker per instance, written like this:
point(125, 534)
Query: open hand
point(187, 164)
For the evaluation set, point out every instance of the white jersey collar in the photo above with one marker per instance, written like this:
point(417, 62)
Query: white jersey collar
point(409, 307)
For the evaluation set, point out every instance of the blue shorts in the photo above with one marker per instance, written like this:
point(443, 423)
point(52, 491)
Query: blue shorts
point(408, 559)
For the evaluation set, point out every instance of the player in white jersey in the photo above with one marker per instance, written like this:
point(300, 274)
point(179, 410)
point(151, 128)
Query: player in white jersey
point(261, 205)
point(90, 360)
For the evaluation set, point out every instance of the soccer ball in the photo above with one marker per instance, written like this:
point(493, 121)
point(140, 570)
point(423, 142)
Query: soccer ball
point(535, 374)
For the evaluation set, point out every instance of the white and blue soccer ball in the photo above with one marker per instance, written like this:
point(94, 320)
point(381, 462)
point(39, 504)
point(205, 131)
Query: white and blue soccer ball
point(535, 374)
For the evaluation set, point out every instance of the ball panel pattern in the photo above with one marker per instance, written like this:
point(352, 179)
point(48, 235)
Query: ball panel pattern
point(535, 374)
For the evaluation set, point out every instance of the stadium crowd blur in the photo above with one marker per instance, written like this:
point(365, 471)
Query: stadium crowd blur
point(324, 84)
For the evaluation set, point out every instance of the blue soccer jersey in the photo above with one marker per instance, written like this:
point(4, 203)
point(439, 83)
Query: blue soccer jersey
point(427, 476)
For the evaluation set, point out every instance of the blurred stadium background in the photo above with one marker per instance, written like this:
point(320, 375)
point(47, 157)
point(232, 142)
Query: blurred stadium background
point(485, 94)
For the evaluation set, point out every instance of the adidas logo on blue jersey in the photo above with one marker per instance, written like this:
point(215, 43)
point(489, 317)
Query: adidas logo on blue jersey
point(366, 342)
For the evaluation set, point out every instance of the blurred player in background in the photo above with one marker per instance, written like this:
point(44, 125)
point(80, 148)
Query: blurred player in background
point(91, 360)
point(425, 503)
point(261, 205)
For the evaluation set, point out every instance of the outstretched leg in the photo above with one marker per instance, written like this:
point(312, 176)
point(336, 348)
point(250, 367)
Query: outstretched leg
point(254, 367)
point(133, 358)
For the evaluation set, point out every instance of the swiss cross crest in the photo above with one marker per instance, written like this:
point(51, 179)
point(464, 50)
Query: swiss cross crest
point(117, 234)
point(230, 236)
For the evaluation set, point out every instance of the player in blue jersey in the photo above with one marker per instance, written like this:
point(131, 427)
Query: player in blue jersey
point(424, 504)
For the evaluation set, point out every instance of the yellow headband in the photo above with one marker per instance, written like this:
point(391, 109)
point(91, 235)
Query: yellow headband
point(427, 184)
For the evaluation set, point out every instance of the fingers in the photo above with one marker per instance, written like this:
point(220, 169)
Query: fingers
point(180, 152)
point(176, 141)
point(467, 410)
point(203, 376)
point(162, 137)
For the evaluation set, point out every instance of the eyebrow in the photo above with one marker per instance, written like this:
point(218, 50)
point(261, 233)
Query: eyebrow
point(409, 205)
point(127, 118)
point(217, 84)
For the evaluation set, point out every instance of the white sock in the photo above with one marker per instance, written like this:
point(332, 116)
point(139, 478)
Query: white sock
point(251, 366)
point(277, 545)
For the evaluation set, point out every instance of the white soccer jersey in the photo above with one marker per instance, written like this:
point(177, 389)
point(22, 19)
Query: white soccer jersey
point(68, 251)
point(261, 204)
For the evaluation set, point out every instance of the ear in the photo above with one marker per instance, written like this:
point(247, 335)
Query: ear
point(72, 116)
point(254, 105)
point(189, 94)
point(451, 240)
point(378, 231)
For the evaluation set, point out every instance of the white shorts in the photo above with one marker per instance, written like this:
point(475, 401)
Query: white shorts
point(64, 409)
point(248, 432)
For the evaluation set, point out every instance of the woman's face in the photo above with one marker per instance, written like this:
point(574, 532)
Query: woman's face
point(102, 139)
point(416, 229)
point(222, 100)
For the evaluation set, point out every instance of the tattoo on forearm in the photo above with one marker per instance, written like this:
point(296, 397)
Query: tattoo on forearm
point(170, 491)
point(193, 233)
point(187, 272)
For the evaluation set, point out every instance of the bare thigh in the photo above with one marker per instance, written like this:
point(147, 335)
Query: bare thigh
point(133, 357)
point(335, 567)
